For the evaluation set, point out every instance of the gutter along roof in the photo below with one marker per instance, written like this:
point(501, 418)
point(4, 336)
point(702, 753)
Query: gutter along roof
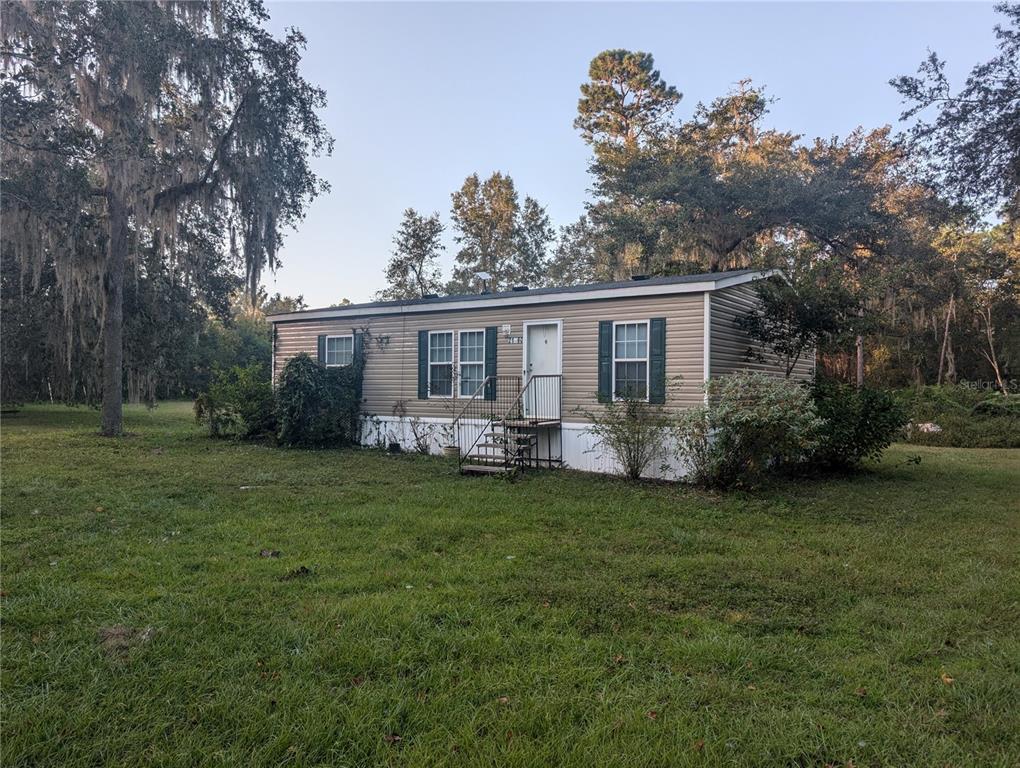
point(652, 286)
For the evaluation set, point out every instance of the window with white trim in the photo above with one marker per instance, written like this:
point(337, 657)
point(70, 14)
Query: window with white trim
point(630, 360)
point(441, 364)
point(339, 350)
point(472, 361)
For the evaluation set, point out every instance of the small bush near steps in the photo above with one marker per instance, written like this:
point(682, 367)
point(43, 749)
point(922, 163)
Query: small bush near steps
point(632, 430)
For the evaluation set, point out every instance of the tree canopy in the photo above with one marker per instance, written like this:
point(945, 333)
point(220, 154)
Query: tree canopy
point(155, 154)
point(130, 121)
point(971, 143)
point(413, 270)
point(497, 235)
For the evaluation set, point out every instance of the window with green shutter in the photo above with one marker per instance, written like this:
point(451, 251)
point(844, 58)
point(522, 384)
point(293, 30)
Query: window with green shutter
point(630, 360)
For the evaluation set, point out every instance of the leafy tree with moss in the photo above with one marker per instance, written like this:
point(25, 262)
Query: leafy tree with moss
point(137, 116)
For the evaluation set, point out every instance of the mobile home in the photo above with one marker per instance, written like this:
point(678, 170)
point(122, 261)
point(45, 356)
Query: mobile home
point(512, 377)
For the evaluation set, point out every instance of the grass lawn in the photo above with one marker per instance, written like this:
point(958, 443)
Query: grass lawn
point(564, 619)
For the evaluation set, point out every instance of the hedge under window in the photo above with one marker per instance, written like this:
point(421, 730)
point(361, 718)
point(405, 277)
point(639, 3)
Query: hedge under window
point(441, 364)
point(630, 360)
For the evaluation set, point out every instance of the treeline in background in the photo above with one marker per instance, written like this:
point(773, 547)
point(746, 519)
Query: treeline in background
point(901, 248)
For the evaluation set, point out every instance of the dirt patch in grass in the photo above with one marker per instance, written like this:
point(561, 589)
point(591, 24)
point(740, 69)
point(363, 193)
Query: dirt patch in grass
point(118, 640)
point(298, 573)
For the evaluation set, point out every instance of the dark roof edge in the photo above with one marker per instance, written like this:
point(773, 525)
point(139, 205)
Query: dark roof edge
point(707, 281)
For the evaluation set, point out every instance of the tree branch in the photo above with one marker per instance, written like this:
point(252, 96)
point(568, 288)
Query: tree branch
point(171, 195)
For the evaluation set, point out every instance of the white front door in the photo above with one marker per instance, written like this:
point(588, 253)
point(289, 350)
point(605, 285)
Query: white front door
point(542, 358)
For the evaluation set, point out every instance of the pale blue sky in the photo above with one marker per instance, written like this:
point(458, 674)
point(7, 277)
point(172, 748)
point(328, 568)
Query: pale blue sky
point(421, 95)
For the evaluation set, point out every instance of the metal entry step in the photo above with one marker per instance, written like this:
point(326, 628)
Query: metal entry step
point(485, 469)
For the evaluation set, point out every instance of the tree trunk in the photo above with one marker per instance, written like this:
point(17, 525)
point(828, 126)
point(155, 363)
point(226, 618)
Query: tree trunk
point(134, 387)
point(947, 350)
point(860, 350)
point(113, 319)
point(990, 356)
point(860, 361)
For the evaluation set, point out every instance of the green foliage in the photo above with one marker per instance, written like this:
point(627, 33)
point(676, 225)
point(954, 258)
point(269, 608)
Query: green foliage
point(963, 417)
point(752, 424)
point(581, 255)
point(413, 268)
point(928, 403)
point(998, 405)
point(972, 145)
point(319, 406)
point(530, 262)
point(496, 234)
point(623, 102)
point(632, 430)
point(859, 424)
point(176, 130)
point(239, 402)
point(792, 320)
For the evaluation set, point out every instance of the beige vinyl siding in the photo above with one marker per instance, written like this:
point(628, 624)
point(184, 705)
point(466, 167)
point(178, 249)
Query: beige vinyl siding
point(732, 349)
point(391, 373)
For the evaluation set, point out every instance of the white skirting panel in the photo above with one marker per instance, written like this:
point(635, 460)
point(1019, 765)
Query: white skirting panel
point(581, 449)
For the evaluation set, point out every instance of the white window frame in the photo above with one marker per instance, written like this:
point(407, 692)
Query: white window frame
point(456, 388)
point(452, 364)
point(646, 359)
point(326, 350)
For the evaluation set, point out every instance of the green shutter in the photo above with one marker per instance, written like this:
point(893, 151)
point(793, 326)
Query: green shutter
point(657, 361)
point(321, 354)
point(359, 361)
point(490, 362)
point(423, 365)
point(605, 361)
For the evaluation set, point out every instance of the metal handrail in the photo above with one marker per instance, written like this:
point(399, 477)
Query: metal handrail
point(483, 410)
point(516, 404)
point(481, 388)
point(498, 408)
point(542, 378)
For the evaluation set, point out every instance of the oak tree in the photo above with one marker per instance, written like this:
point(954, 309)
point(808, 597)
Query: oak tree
point(158, 112)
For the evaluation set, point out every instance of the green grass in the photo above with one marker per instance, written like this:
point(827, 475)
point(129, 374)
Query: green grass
point(564, 619)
